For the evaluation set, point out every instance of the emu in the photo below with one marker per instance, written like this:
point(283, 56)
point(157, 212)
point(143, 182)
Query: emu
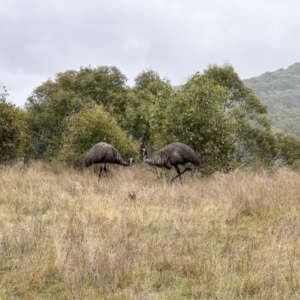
point(104, 153)
point(173, 154)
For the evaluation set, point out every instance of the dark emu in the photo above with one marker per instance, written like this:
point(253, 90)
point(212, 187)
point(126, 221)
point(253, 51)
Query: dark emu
point(103, 153)
point(173, 154)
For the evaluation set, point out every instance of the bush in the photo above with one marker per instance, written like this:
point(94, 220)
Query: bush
point(86, 128)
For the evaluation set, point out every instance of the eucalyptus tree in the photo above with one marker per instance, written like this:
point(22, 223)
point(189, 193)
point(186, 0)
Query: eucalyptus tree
point(253, 135)
point(149, 97)
point(194, 116)
point(13, 129)
point(69, 93)
point(221, 118)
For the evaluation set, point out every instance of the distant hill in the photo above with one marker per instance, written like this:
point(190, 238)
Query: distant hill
point(280, 91)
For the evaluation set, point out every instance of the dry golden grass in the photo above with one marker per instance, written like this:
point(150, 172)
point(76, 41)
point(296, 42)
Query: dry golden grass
point(64, 235)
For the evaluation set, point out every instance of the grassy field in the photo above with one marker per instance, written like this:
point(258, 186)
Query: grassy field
point(64, 235)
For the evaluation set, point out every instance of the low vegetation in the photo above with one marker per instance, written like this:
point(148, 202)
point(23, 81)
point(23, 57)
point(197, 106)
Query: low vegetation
point(64, 235)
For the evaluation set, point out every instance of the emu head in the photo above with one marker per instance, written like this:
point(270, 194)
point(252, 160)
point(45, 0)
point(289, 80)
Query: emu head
point(131, 160)
point(144, 153)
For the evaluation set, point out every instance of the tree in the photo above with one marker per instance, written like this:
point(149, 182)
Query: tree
point(195, 116)
point(105, 85)
point(253, 136)
point(88, 127)
point(146, 111)
point(218, 116)
point(69, 93)
point(13, 129)
point(150, 81)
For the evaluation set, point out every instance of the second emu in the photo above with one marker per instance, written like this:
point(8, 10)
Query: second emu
point(173, 154)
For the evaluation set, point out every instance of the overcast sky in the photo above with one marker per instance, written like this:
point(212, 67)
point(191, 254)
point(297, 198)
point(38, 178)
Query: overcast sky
point(175, 38)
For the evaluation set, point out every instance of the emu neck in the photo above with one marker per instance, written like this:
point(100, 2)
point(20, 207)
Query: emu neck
point(124, 163)
point(155, 161)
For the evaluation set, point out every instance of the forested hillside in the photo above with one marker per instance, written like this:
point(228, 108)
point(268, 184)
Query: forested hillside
point(280, 91)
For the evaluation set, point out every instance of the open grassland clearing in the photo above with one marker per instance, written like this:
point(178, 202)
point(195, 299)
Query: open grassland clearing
point(64, 235)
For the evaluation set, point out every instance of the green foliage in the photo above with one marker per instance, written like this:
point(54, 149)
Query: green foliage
point(149, 95)
point(239, 95)
point(214, 112)
point(280, 91)
point(13, 129)
point(88, 127)
point(286, 119)
point(195, 116)
point(217, 115)
point(103, 84)
point(135, 116)
point(150, 81)
point(70, 93)
point(253, 136)
point(289, 149)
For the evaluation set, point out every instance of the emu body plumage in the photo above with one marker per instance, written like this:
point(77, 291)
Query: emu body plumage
point(173, 154)
point(103, 153)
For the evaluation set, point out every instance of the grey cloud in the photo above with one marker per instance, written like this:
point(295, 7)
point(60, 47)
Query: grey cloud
point(176, 38)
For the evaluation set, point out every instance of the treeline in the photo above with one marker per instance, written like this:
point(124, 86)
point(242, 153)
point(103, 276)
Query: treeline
point(280, 91)
point(213, 112)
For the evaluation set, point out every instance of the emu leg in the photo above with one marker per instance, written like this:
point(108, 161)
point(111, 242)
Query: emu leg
point(100, 171)
point(105, 170)
point(179, 174)
point(102, 167)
